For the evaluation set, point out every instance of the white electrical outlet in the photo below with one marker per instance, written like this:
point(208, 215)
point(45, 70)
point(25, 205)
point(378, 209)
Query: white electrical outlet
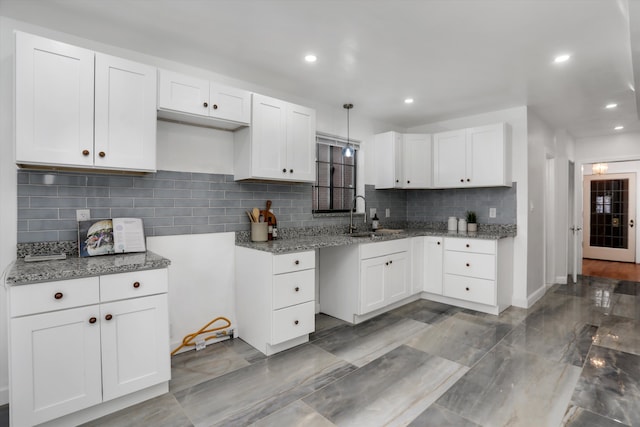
point(492, 212)
point(372, 212)
point(387, 213)
point(83, 215)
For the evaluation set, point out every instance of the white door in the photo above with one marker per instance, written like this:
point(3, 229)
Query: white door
point(55, 360)
point(372, 278)
point(434, 248)
point(125, 107)
point(301, 143)
point(485, 156)
point(416, 154)
point(182, 93)
point(609, 217)
point(268, 145)
point(228, 103)
point(135, 345)
point(396, 274)
point(54, 102)
point(449, 159)
point(575, 227)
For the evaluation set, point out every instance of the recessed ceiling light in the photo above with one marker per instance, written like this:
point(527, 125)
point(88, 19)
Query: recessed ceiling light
point(618, 128)
point(408, 101)
point(561, 58)
point(610, 106)
point(311, 58)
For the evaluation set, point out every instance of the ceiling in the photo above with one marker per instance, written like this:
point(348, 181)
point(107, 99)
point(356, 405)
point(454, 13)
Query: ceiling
point(453, 57)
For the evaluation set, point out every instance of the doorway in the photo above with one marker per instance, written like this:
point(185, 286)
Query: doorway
point(609, 216)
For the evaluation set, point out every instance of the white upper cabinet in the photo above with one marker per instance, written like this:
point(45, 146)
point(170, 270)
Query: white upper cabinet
point(402, 160)
point(279, 145)
point(54, 102)
point(416, 156)
point(125, 117)
point(190, 99)
point(55, 108)
point(474, 157)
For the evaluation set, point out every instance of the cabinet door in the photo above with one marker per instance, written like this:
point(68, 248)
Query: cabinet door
point(54, 102)
point(228, 103)
point(434, 248)
point(301, 143)
point(125, 122)
point(418, 259)
point(372, 277)
point(396, 277)
point(268, 145)
point(55, 364)
point(449, 159)
point(416, 161)
point(486, 162)
point(387, 148)
point(135, 345)
point(182, 93)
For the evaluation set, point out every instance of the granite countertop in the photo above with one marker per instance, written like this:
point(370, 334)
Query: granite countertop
point(22, 273)
point(304, 243)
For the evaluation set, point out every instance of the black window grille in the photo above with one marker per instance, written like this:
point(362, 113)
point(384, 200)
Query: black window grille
point(335, 185)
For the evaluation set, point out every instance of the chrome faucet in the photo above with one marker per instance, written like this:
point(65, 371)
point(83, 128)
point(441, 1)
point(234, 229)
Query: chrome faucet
point(352, 227)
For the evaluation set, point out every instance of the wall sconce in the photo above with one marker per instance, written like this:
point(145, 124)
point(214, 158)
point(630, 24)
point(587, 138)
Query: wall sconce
point(599, 168)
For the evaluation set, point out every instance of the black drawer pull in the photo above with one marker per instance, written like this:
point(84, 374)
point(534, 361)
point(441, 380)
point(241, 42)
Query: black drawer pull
point(467, 288)
point(136, 285)
point(108, 317)
point(58, 295)
point(93, 320)
point(295, 322)
point(297, 289)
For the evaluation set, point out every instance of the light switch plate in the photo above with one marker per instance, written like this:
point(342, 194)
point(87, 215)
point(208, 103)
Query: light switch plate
point(83, 215)
point(387, 212)
point(372, 212)
point(492, 212)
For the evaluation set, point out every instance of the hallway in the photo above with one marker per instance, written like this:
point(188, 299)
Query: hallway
point(611, 269)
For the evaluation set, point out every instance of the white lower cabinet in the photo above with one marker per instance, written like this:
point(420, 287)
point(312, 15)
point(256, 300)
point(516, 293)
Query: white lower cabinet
point(275, 298)
point(471, 273)
point(433, 250)
point(71, 347)
point(358, 281)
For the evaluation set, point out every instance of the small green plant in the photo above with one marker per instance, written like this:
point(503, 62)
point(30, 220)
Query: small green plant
point(471, 217)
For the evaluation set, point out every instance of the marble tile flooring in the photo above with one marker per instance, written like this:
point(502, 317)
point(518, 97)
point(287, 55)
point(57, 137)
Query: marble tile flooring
point(573, 359)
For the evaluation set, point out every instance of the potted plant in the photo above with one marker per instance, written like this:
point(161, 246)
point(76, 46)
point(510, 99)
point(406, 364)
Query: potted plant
point(472, 224)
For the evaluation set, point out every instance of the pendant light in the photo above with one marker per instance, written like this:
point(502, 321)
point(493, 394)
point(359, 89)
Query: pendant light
point(348, 150)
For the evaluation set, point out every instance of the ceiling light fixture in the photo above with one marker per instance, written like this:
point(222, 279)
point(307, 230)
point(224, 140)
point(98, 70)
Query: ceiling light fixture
point(599, 168)
point(311, 58)
point(561, 58)
point(408, 101)
point(618, 128)
point(610, 106)
point(348, 149)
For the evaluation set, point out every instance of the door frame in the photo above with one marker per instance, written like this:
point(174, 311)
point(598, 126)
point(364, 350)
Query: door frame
point(606, 253)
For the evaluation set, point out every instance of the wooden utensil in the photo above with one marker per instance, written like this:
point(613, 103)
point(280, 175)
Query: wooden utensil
point(250, 216)
point(256, 214)
point(268, 215)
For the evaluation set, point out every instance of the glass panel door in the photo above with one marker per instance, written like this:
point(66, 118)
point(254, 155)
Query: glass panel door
point(609, 217)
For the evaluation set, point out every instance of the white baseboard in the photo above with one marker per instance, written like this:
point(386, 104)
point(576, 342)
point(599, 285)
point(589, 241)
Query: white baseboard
point(562, 280)
point(531, 299)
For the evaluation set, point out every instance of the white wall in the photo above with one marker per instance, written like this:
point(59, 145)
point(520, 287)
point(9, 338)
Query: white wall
point(540, 143)
point(623, 167)
point(517, 119)
point(611, 148)
point(564, 152)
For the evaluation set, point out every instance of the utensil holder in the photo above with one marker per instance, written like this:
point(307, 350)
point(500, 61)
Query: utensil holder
point(259, 231)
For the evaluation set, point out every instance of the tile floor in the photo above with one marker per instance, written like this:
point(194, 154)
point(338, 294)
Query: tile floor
point(573, 359)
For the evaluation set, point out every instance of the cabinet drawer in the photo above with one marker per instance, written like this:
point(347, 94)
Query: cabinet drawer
point(135, 284)
point(293, 288)
point(482, 266)
point(372, 250)
point(470, 245)
point(470, 289)
point(292, 322)
point(294, 262)
point(50, 296)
